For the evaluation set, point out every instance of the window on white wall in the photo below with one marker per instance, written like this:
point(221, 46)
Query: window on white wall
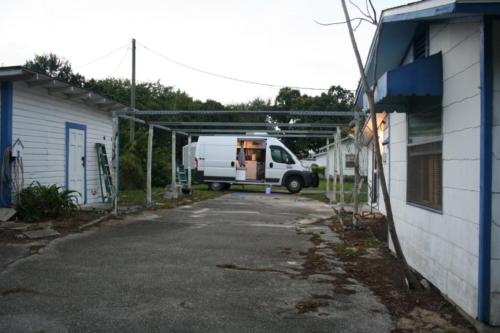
point(424, 181)
point(349, 160)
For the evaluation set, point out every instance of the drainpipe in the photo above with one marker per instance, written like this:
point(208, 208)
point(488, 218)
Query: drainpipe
point(486, 150)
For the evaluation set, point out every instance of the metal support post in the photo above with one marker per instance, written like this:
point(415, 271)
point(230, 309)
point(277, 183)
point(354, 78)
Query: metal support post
point(189, 162)
point(341, 170)
point(175, 195)
point(355, 192)
point(334, 194)
point(327, 169)
point(116, 161)
point(149, 201)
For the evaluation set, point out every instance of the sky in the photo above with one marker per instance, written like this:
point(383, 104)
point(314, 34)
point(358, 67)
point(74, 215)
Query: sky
point(269, 41)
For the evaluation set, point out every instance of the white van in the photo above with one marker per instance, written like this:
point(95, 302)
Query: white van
point(224, 160)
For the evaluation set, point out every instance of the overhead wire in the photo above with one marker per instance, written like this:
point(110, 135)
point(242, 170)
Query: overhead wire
point(102, 57)
point(222, 76)
point(120, 63)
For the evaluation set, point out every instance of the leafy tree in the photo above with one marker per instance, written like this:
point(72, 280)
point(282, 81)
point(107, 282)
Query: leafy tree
point(156, 96)
point(55, 66)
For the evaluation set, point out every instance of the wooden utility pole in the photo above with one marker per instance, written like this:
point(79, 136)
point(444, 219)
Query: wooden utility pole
point(132, 93)
point(149, 199)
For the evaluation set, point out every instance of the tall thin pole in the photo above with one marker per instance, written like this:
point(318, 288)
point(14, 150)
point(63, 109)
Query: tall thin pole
point(413, 281)
point(355, 192)
point(116, 161)
point(149, 200)
point(189, 162)
point(334, 194)
point(132, 93)
point(174, 168)
point(341, 169)
point(327, 168)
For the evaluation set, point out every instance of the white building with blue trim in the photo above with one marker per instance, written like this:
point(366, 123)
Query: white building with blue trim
point(326, 157)
point(57, 126)
point(438, 96)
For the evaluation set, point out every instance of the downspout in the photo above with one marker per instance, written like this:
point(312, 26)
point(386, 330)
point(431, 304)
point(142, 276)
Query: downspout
point(6, 140)
point(484, 269)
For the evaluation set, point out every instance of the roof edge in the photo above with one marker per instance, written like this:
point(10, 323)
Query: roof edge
point(59, 88)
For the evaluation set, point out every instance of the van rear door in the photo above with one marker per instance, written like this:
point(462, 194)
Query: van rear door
point(217, 158)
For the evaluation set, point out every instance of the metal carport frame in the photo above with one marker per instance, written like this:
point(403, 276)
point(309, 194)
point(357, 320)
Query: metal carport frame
point(188, 128)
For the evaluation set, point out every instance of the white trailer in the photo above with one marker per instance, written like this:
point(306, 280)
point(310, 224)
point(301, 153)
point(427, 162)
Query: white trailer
point(224, 160)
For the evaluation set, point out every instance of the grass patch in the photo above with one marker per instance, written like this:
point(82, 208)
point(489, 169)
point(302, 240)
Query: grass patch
point(201, 192)
point(138, 197)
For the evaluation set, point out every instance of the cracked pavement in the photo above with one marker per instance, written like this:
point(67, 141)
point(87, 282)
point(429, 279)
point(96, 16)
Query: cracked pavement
point(238, 263)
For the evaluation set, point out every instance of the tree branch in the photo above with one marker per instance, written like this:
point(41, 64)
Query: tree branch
point(361, 11)
point(357, 25)
point(411, 278)
point(344, 22)
point(374, 11)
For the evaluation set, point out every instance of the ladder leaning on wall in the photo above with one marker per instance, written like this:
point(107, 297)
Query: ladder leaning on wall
point(104, 173)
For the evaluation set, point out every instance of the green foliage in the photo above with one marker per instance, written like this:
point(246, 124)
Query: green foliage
point(161, 171)
point(156, 96)
point(39, 202)
point(133, 160)
point(55, 66)
point(318, 169)
point(131, 171)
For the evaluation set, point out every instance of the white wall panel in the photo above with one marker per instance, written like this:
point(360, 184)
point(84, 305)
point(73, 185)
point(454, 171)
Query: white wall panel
point(39, 120)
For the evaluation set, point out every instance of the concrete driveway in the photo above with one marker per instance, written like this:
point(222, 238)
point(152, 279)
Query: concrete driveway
point(239, 263)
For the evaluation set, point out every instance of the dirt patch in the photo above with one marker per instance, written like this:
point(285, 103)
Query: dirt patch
point(240, 268)
point(315, 266)
point(63, 226)
point(422, 321)
point(12, 291)
point(309, 306)
point(315, 239)
point(367, 259)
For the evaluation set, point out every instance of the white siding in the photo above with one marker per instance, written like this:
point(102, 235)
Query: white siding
point(495, 242)
point(320, 160)
point(347, 147)
point(39, 120)
point(382, 120)
point(443, 247)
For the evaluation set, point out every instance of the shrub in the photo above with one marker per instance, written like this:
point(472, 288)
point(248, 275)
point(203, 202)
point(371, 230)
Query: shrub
point(39, 202)
point(131, 171)
point(320, 170)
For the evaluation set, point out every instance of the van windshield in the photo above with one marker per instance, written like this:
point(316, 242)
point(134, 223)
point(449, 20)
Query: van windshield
point(280, 155)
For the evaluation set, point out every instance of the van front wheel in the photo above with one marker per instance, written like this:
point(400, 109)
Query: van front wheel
point(215, 186)
point(294, 184)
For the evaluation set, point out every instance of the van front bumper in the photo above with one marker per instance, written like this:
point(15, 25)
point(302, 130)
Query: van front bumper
point(311, 179)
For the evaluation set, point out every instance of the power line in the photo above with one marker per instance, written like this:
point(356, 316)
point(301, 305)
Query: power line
point(120, 63)
point(221, 76)
point(102, 57)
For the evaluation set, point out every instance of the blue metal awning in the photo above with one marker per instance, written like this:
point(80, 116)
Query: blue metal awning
point(415, 87)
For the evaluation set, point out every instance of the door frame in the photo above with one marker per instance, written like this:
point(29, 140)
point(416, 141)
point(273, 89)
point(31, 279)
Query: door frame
point(70, 125)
